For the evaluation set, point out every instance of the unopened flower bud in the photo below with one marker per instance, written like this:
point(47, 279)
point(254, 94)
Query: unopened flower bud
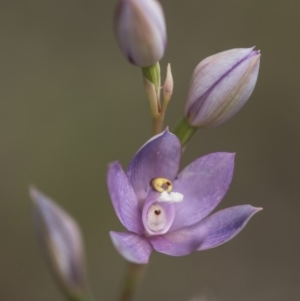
point(61, 244)
point(221, 84)
point(169, 84)
point(140, 30)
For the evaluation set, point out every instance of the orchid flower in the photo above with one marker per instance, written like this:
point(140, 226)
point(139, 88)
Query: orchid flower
point(169, 212)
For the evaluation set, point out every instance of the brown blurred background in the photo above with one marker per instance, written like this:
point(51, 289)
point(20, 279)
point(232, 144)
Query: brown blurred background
point(70, 104)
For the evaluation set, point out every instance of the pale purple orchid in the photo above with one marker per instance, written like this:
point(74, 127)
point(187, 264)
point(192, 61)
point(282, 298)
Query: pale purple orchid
point(168, 212)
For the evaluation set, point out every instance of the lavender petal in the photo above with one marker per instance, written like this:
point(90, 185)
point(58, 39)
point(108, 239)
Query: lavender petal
point(124, 199)
point(208, 233)
point(224, 225)
point(159, 157)
point(203, 183)
point(132, 247)
point(178, 243)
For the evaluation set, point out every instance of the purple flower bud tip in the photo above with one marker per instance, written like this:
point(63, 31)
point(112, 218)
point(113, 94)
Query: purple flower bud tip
point(61, 244)
point(221, 84)
point(170, 212)
point(140, 31)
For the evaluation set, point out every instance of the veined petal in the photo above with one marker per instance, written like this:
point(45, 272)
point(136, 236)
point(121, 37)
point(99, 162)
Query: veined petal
point(159, 157)
point(203, 184)
point(132, 247)
point(223, 225)
point(208, 233)
point(178, 243)
point(124, 199)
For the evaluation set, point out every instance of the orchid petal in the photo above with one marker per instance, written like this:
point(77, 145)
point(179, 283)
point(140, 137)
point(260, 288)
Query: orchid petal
point(124, 199)
point(203, 183)
point(132, 247)
point(159, 157)
point(208, 233)
point(223, 225)
point(178, 243)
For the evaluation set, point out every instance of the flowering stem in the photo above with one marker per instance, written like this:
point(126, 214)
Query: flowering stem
point(157, 124)
point(84, 296)
point(184, 131)
point(152, 86)
point(81, 299)
point(133, 277)
point(152, 73)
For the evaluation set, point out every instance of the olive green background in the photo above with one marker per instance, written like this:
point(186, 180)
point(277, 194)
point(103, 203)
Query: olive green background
point(70, 103)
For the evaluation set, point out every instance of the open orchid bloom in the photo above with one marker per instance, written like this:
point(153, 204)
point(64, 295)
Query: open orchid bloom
point(169, 212)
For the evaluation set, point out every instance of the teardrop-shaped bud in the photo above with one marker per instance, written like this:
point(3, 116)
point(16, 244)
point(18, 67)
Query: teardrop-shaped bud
point(221, 84)
point(61, 243)
point(168, 85)
point(140, 30)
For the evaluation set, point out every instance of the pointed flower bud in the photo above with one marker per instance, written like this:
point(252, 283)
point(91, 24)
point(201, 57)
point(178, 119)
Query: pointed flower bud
point(169, 84)
point(221, 84)
point(140, 30)
point(61, 244)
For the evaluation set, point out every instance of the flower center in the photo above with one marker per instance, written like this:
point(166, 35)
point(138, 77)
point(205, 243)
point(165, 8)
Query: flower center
point(156, 218)
point(159, 211)
point(165, 186)
point(161, 184)
point(171, 197)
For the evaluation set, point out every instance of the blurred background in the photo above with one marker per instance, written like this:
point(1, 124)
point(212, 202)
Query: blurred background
point(70, 103)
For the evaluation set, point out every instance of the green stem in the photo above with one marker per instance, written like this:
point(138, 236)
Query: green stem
point(85, 295)
point(184, 131)
point(133, 277)
point(152, 73)
point(81, 298)
point(158, 110)
point(157, 124)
